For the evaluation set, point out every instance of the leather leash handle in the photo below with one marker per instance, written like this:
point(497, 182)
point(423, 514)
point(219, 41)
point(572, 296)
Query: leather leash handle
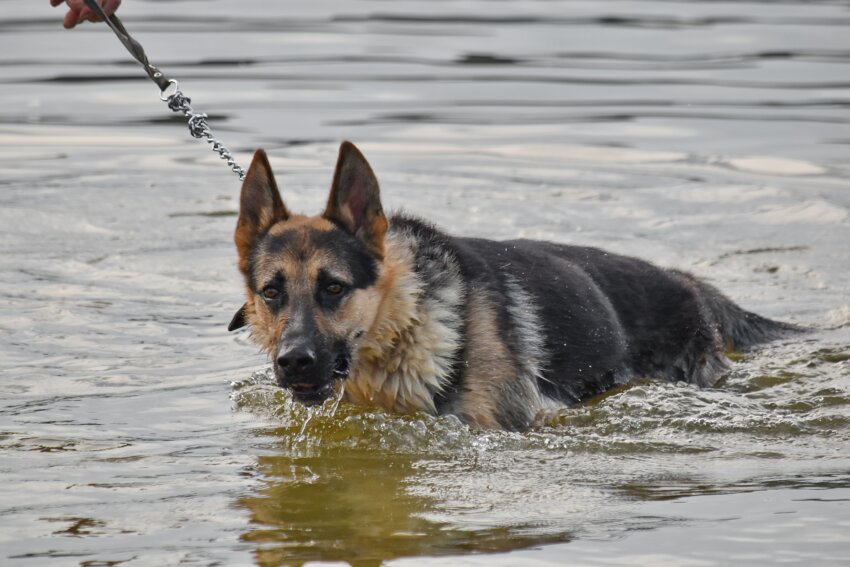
point(133, 46)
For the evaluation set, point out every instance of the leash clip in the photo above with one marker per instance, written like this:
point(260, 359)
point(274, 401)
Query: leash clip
point(169, 91)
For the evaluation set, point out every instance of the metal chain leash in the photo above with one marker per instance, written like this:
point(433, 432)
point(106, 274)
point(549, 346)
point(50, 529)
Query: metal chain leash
point(169, 90)
point(198, 127)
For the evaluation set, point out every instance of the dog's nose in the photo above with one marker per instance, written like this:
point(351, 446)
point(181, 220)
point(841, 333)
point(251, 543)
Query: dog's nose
point(297, 359)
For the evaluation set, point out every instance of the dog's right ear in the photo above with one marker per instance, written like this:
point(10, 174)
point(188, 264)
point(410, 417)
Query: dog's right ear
point(260, 206)
point(355, 200)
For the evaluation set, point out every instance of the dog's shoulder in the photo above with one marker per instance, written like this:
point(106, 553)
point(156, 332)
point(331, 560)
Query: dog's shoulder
point(522, 302)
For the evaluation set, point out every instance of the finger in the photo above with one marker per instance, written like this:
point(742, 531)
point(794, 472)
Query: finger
point(55, 3)
point(72, 18)
point(86, 15)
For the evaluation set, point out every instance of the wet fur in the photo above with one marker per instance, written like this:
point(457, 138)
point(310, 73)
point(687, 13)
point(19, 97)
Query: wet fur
point(497, 333)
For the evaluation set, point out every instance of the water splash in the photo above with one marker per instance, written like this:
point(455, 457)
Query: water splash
point(311, 411)
point(783, 395)
point(327, 409)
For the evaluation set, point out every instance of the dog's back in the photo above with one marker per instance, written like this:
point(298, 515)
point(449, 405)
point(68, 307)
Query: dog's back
point(574, 321)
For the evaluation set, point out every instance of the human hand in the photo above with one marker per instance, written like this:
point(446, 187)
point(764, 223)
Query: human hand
point(78, 11)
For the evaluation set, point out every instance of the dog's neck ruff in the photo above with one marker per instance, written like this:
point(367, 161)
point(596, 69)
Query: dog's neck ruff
point(409, 354)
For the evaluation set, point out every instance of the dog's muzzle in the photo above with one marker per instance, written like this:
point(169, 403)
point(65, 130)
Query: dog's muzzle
point(310, 376)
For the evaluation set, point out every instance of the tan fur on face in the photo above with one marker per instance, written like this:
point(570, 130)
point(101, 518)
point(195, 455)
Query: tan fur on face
point(301, 262)
point(300, 265)
point(295, 222)
point(356, 314)
point(265, 327)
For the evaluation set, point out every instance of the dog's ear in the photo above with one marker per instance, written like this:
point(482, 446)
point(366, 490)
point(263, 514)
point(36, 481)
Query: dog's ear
point(260, 206)
point(239, 320)
point(355, 201)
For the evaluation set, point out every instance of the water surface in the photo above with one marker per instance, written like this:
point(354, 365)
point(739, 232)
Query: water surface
point(706, 136)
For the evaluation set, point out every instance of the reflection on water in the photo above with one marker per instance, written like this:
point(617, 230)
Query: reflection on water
point(707, 136)
point(361, 488)
point(366, 487)
point(361, 507)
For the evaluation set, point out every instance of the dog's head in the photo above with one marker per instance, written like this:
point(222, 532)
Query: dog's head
point(310, 281)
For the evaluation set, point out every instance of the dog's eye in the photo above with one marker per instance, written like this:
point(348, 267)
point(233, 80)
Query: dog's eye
point(271, 293)
point(334, 288)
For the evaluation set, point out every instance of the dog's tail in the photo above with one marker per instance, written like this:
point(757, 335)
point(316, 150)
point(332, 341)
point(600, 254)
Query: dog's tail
point(740, 328)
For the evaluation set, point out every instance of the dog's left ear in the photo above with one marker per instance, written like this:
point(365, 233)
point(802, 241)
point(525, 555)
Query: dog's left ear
point(238, 320)
point(355, 200)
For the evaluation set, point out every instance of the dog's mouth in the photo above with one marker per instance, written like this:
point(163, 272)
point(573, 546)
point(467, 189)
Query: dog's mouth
point(310, 393)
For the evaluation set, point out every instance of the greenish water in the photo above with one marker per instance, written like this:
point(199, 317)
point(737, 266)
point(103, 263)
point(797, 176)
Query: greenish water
point(706, 136)
point(359, 486)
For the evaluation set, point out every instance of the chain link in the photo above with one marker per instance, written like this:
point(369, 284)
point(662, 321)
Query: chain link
point(198, 127)
point(169, 89)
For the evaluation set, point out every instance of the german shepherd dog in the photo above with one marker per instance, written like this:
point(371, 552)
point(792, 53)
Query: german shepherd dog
point(496, 333)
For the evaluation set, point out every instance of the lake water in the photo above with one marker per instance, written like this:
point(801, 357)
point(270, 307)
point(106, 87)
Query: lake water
point(707, 136)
